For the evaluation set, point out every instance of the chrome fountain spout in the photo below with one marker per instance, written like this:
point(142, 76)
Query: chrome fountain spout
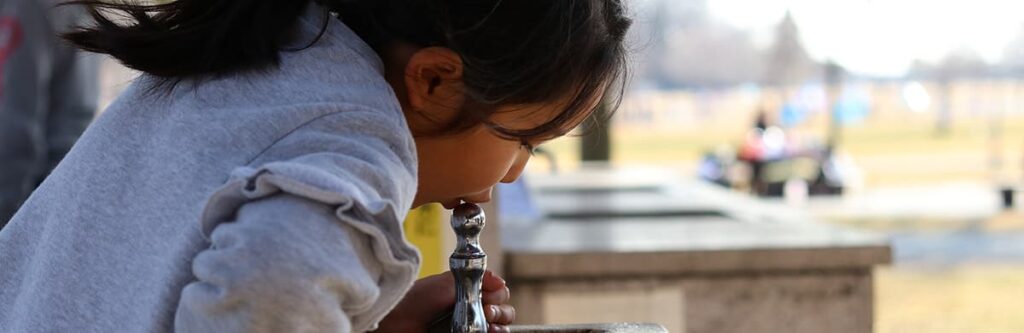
point(468, 263)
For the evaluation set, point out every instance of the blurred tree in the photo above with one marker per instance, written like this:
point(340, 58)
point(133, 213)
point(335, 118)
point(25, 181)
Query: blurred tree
point(961, 63)
point(1013, 55)
point(788, 62)
point(710, 55)
point(684, 47)
point(596, 142)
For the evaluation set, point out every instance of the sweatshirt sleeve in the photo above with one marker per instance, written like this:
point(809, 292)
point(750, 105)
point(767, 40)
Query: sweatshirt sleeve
point(308, 237)
point(284, 265)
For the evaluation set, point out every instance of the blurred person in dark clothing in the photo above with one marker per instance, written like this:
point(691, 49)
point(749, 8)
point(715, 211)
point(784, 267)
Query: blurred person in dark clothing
point(48, 95)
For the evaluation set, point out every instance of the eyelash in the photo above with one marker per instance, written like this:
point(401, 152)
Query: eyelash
point(529, 148)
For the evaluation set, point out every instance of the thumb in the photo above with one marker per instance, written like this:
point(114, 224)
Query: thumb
point(437, 291)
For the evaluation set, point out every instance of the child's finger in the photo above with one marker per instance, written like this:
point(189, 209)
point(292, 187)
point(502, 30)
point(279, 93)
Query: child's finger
point(500, 296)
point(500, 314)
point(508, 314)
point(492, 282)
point(495, 328)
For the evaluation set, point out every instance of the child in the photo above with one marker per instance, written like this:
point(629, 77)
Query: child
point(255, 177)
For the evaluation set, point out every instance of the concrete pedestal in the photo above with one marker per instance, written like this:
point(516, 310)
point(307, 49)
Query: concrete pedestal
point(729, 265)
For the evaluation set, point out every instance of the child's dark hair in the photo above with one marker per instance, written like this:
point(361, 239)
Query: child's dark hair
point(513, 51)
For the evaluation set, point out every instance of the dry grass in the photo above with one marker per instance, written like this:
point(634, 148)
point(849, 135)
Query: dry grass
point(966, 298)
point(889, 152)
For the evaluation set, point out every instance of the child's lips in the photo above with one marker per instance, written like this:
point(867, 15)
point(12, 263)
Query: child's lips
point(451, 204)
point(474, 199)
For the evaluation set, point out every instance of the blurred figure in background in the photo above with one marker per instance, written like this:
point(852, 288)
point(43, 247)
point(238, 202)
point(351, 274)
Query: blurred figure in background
point(48, 95)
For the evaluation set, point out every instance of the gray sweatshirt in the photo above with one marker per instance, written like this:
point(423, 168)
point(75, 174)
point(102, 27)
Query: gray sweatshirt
point(266, 202)
point(48, 94)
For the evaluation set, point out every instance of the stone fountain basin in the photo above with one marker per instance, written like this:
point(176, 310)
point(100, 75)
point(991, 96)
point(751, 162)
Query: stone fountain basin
point(596, 204)
point(590, 328)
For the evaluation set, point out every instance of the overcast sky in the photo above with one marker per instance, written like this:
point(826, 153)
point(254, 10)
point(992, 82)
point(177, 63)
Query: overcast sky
point(883, 37)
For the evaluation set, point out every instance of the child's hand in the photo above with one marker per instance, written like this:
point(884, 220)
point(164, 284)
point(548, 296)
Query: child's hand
point(495, 295)
point(434, 296)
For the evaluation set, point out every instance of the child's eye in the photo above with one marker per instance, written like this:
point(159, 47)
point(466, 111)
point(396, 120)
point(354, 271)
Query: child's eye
point(529, 148)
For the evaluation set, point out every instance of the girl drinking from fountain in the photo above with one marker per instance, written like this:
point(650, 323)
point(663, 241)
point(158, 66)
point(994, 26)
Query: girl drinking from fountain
point(255, 176)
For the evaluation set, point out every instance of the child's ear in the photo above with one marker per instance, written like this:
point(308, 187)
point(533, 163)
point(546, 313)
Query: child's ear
point(433, 82)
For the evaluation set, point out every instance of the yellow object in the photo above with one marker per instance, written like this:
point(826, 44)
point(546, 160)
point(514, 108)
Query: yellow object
point(423, 228)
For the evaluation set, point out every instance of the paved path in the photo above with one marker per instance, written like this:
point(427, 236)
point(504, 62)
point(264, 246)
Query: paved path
point(936, 224)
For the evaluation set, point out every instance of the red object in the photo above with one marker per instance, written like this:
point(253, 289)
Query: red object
point(10, 40)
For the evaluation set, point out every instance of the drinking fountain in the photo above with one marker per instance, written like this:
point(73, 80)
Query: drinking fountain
point(468, 263)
